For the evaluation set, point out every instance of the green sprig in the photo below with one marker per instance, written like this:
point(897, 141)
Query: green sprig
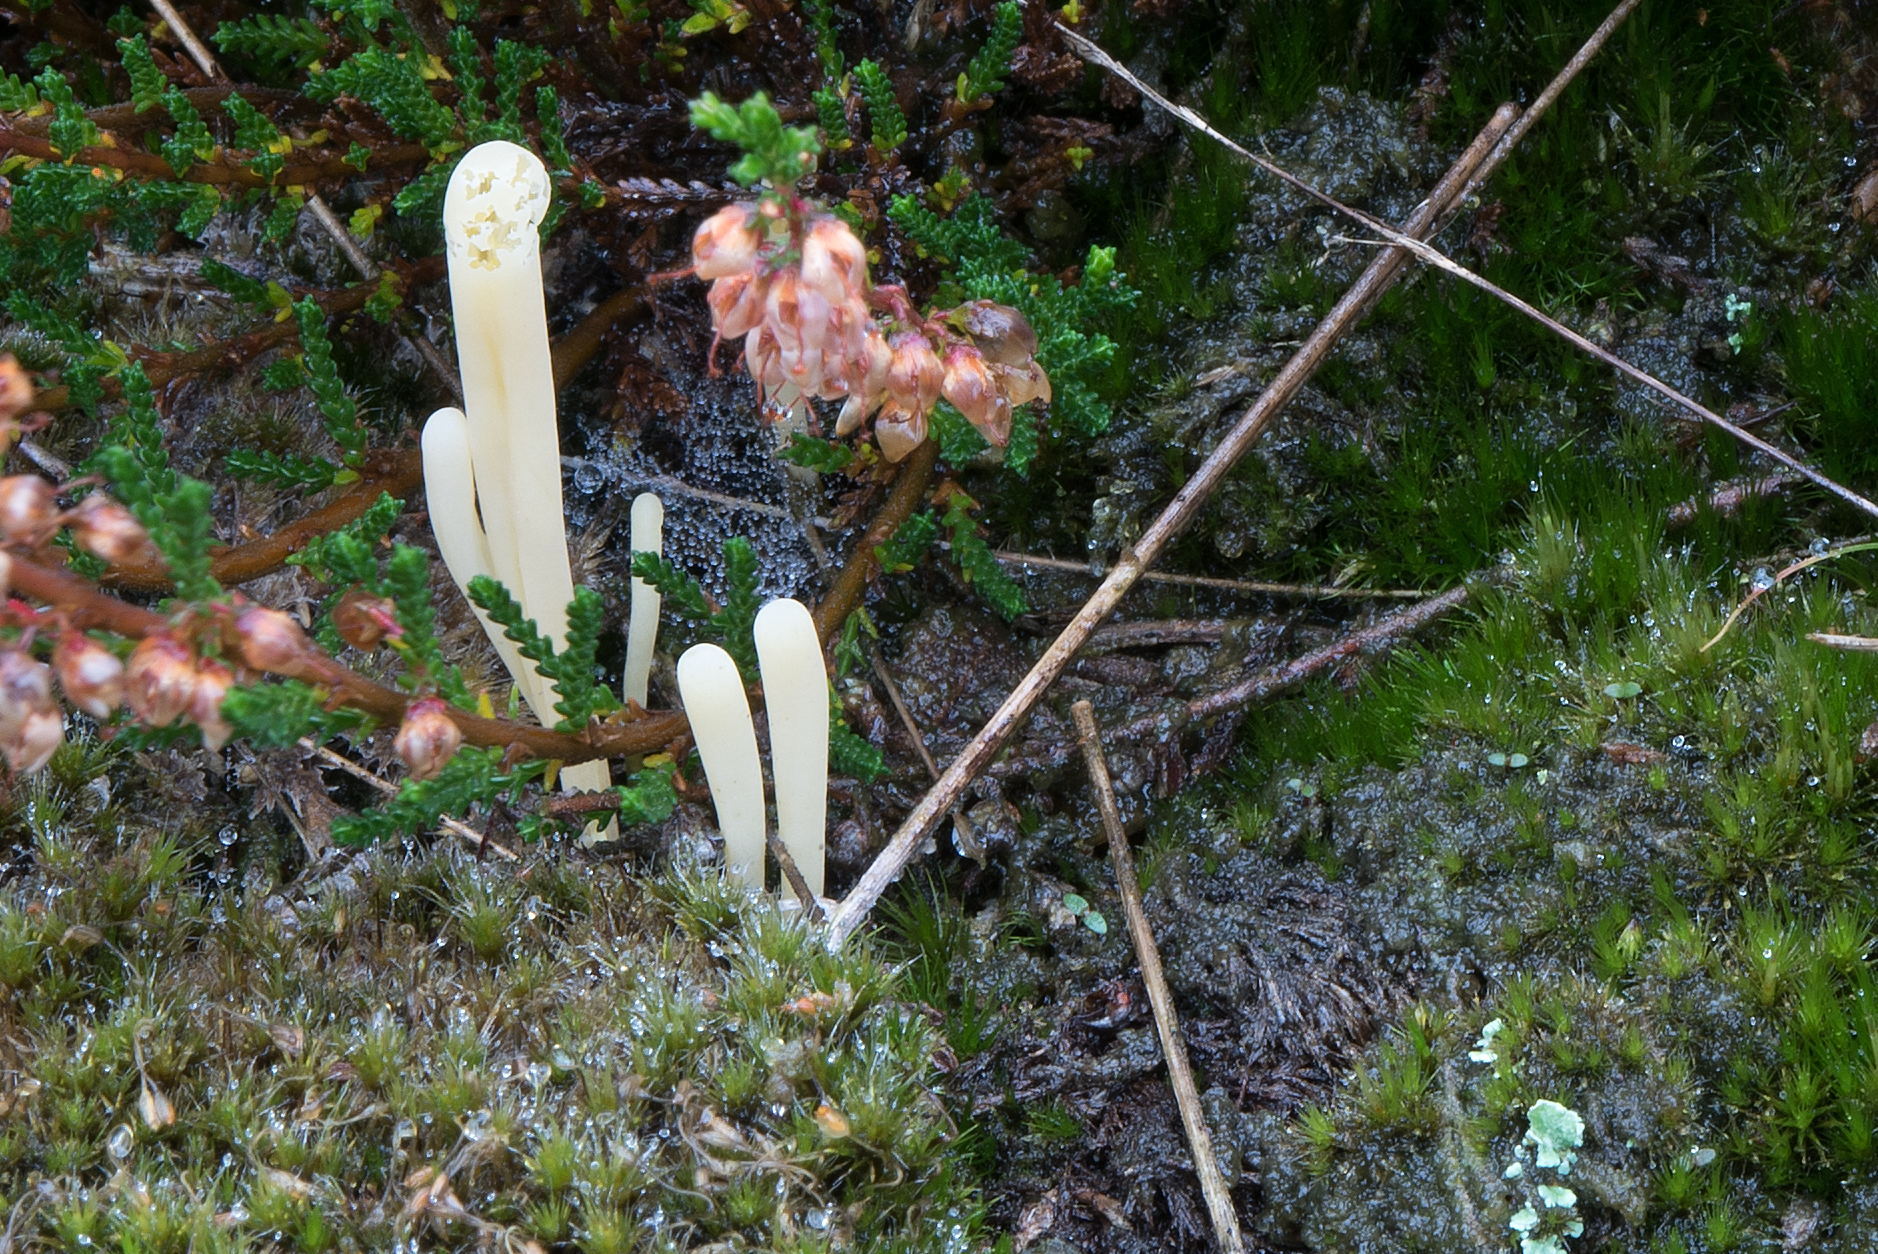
point(772, 153)
point(147, 83)
point(883, 107)
point(987, 71)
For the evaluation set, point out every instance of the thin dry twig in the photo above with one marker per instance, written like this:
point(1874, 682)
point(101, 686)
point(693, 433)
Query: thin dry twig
point(792, 874)
point(477, 840)
point(1213, 1184)
point(342, 238)
point(1395, 239)
point(1354, 305)
point(1833, 640)
point(187, 38)
point(1207, 581)
point(1860, 545)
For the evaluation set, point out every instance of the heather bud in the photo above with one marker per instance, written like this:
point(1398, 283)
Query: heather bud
point(160, 682)
point(899, 430)
point(363, 620)
point(1001, 333)
point(737, 302)
point(970, 388)
point(428, 739)
point(105, 529)
point(90, 674)
point(16, 391)
point(269, 640)
point(213, 680)
point(914, 375)
point(31, 727)
point(726, 243)
point(1023, 384)
point(834, 262)
point(26, 506)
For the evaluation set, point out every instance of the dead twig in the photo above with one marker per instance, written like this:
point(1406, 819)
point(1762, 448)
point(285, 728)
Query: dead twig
point(1355, 303)
point(1208, 581)
point(187, 38)
point(477, 840)
point(1860, 545)
point(1213, 1183)
point(342, 238)
point(1409, 243)
point(909, 493)
point(1833, 640)
point(793, 875)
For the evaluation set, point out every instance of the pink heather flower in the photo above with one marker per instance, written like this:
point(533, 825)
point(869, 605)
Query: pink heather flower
point(269, 640)
point(26, 506)
point(363, 620)
point(31, 727)
point(1022, 384)
point(16, 392)
point(727, 243)
point(914, 376)
point(106, 530)
point(90, 674)
point(972, 390)
point(213, 680)
point(160, 683)
point(1001, 333)
point(899, 430)
point(737, 302)
point(428, 737)
point(834, 262)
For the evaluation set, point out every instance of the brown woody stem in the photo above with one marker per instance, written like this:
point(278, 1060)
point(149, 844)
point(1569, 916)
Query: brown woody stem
point(89, 607)
point(909, 492)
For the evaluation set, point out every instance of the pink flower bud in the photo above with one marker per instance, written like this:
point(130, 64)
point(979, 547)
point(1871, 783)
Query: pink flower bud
point(16, 390)
point(269, 640)
point(726, 243)
point(899, 430)
point(90, 674)
point(1023, 384)
point(213, 680)
point(105, 529)
point(31, 727)
point(26, 506)
point(1001, 333)
point(364, 621)
point(914, 375)
point(428, 739)
point(160, 682)
point(970, 388)
point(834, 262)
point(39, 738)
point(737, 303)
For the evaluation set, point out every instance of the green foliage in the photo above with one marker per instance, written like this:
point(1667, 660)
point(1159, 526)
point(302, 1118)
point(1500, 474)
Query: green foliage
point(976, 562)
point(848, 753)
point(70, 130)
point(393, 86)
point(17, 96)
point(553, 142)
point(986, 73)
point(516, 65)
point(832, 116)
point(883, 107)
point(732, 624)
point(822, 22)
point(908, 543)
point(272, 37)
point(773, 153)
point(466, 63)
point(648, 797)
point(147, 83)
point(191, 142)
point(276, 715)
point(471, 776)
point(256, 132)
point(422, 197)
point(824, 456)
point(284, 216)
point(172, 508)
point(572, 670)
point(340, 411)
point(287, 470)
point(247, 290)
point(348, 556)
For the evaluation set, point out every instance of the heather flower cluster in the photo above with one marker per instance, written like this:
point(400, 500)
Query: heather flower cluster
point(792, 283)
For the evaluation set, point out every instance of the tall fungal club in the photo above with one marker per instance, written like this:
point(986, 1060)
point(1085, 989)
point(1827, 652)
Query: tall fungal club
point(492, 471)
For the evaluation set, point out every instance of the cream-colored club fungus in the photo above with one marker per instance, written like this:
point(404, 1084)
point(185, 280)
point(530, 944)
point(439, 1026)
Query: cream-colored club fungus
point(795, 695)
point(642, 629)
point(492, 471)
point(795, 699)
point(721, 728)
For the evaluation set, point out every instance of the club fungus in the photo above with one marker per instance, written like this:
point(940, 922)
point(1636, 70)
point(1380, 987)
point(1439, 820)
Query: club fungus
point(720, 725)
point(493, 470)
point(795, 694)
